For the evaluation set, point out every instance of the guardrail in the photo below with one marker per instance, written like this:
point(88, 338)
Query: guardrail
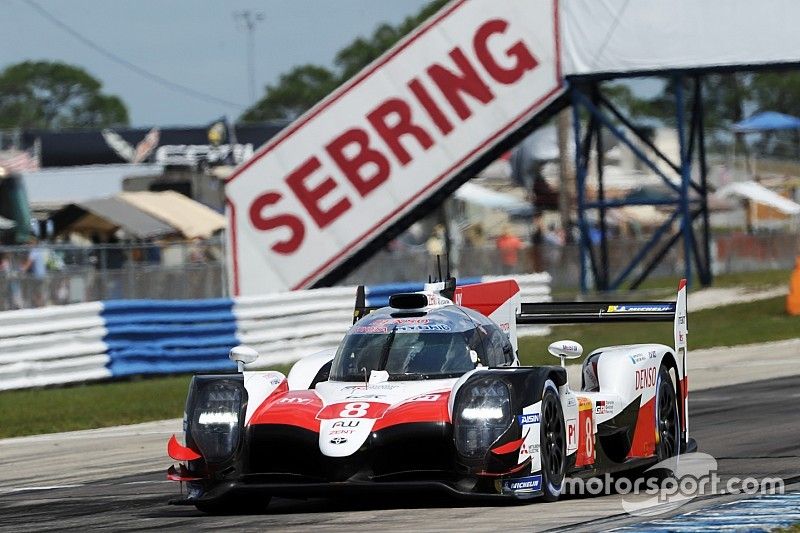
point(117, 338)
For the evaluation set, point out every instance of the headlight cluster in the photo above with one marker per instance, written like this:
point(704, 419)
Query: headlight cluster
point(215, 424)
point(482, 413)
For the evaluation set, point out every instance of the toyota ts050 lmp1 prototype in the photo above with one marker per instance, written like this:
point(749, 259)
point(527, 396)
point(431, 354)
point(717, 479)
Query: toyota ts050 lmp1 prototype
point(428, 393)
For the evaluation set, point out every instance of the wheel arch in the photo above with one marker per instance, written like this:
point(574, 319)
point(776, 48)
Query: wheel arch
point(668, 361)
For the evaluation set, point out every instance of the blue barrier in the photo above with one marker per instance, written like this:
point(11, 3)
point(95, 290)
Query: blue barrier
point(98, 340)
point(168, 336)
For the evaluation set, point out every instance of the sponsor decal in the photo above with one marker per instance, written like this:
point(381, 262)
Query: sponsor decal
point(370, 329)
point(645, 378)
point(584, 404)
point(294, 399)
point(572, 434)
point(426, 398)
point(526, 450)
point(341, 432)
point(571, 401)
point(413, 328)
point(338, 440)
point(604, 407)
point(390, 321)
point(637, 358)
point(505, 327)
point(532, 418)
point(346, 423)
point(371, 387)
point(523, 484)
point(357, 395)
point(641, 308)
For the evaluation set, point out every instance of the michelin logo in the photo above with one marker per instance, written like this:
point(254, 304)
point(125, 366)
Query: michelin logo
point(523, 484)
point(532, 418)
point(646, 308)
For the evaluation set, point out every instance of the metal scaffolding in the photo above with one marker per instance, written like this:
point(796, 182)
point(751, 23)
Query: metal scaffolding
point(688, 201)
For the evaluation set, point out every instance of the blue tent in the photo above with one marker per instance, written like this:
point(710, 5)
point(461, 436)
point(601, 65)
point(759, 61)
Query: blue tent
point(767, 121)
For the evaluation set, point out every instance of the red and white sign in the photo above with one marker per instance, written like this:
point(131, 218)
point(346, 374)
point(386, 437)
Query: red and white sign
point(388, 139)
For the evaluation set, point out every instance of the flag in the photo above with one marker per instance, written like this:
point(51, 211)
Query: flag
point(14, 161)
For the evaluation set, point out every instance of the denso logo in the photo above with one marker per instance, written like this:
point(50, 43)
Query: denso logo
point(645, 378)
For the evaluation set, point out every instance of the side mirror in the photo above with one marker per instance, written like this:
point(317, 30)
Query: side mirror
point(242, 355)
point(565, 349)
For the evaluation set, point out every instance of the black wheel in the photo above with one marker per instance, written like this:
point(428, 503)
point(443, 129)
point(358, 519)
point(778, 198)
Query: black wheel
point(667, 424)
point(240, 504)
point(553, 443)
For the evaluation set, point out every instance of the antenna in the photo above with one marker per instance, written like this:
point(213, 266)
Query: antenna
point(447, 264)
point(439, 267)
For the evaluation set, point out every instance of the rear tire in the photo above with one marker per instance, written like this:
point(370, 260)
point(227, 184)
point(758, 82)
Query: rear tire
point(553, 443)
point(667, 422)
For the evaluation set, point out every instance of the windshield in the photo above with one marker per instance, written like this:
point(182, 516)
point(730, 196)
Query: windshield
point(403, 354)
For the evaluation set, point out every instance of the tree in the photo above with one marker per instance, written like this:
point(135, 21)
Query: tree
point(295, 92)
point(53, 95)
point(303, 86)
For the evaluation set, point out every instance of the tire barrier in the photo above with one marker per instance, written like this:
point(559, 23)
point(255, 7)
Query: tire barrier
point(118, 338)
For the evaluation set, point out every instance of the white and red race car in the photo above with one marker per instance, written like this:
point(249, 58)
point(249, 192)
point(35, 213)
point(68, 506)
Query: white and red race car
point(428, 393)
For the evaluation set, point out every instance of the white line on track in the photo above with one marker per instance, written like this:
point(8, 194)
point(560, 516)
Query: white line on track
point(47, 487)
point(72, 486)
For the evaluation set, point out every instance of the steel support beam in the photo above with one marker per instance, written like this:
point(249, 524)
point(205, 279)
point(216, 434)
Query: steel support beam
point(687, 203)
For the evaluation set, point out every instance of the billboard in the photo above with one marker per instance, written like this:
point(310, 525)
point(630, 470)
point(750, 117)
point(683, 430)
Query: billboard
point(342, 174)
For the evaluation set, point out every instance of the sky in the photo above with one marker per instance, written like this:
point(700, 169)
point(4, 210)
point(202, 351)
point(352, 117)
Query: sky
point(194, 43)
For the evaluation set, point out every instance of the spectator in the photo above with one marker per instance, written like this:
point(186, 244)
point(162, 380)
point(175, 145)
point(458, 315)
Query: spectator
point(509, 246)
point(36, 265)
point(536, 242)
point(435, 244)
point(9, 284)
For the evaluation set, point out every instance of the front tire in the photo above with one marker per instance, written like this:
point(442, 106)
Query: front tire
point(553, 443)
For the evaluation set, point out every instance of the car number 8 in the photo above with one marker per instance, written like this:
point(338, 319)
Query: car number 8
point(589, 440)
point(355, 410)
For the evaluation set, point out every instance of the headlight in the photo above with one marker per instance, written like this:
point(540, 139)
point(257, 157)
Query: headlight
point(215, 424)
point(482, 413)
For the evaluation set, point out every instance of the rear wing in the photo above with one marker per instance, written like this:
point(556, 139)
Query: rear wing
point(610, 312)
point(595, 312)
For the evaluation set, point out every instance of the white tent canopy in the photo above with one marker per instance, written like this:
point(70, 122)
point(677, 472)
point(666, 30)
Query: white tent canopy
point(758, 193)
point(476, 194)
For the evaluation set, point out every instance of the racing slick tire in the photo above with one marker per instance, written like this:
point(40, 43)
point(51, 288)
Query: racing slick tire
point(667, 422)
point(241, 504)
point(553, 443)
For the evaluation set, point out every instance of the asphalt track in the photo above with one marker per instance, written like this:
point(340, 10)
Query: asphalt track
point(751, 429)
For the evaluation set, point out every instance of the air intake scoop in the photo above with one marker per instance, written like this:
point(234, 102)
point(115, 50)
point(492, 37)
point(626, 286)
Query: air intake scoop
point(408, 300)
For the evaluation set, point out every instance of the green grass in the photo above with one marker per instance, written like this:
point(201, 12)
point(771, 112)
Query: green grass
point(32, 411)
point(744, 323)
point(48, 410)
point(658, 287)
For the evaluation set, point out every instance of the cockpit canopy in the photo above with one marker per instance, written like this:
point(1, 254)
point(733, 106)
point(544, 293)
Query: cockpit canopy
point(439, 343)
